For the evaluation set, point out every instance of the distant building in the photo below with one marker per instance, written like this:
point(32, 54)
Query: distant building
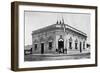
point(59, 38)
point(28, 49)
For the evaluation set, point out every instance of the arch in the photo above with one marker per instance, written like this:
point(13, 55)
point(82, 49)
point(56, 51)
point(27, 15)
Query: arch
point(61, 39)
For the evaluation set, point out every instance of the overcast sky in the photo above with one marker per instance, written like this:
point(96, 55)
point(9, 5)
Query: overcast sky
point(36, 20)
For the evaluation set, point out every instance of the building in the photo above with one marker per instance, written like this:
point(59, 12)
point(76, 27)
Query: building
point(59, 38)
point(28, 49)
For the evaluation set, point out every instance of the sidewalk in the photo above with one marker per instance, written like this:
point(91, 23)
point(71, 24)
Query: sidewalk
point(60, 54)
point(39, 57)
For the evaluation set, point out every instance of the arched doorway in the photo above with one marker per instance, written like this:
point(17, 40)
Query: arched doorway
point(61, 45)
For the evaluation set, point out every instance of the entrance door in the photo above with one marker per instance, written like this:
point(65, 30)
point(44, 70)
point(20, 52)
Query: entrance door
point(61, 46)
point(42, 48)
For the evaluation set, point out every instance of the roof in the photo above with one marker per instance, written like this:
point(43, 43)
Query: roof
point(58, 26)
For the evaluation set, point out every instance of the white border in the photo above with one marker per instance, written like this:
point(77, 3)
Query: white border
point(23, 64)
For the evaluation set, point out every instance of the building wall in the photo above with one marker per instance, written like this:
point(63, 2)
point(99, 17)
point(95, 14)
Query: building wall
point(45, 38)
point(53, 36)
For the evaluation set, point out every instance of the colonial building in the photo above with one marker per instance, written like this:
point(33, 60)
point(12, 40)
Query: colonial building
point(59, 38)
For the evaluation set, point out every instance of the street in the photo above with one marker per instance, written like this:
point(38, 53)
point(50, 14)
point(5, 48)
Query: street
point(42, 57)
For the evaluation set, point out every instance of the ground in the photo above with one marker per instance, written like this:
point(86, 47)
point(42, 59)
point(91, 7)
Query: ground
point(39, 57)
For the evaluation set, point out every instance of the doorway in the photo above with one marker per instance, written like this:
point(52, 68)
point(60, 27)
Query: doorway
point(61, 45)
point(42, 48)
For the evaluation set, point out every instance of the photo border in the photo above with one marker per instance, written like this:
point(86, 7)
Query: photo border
point(15, 34)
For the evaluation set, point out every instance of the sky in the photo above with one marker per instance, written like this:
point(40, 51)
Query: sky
point(35, 20)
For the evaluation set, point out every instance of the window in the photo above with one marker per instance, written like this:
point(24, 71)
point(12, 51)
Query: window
point(75, 45)
point(70, 43)
point(80, 46)
point(83, 45)
point(35, 46)
point(50, 45)
point(76, 42)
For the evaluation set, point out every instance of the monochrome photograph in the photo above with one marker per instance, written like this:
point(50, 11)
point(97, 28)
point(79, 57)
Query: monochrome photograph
point(53, 36)
point(56, 36)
